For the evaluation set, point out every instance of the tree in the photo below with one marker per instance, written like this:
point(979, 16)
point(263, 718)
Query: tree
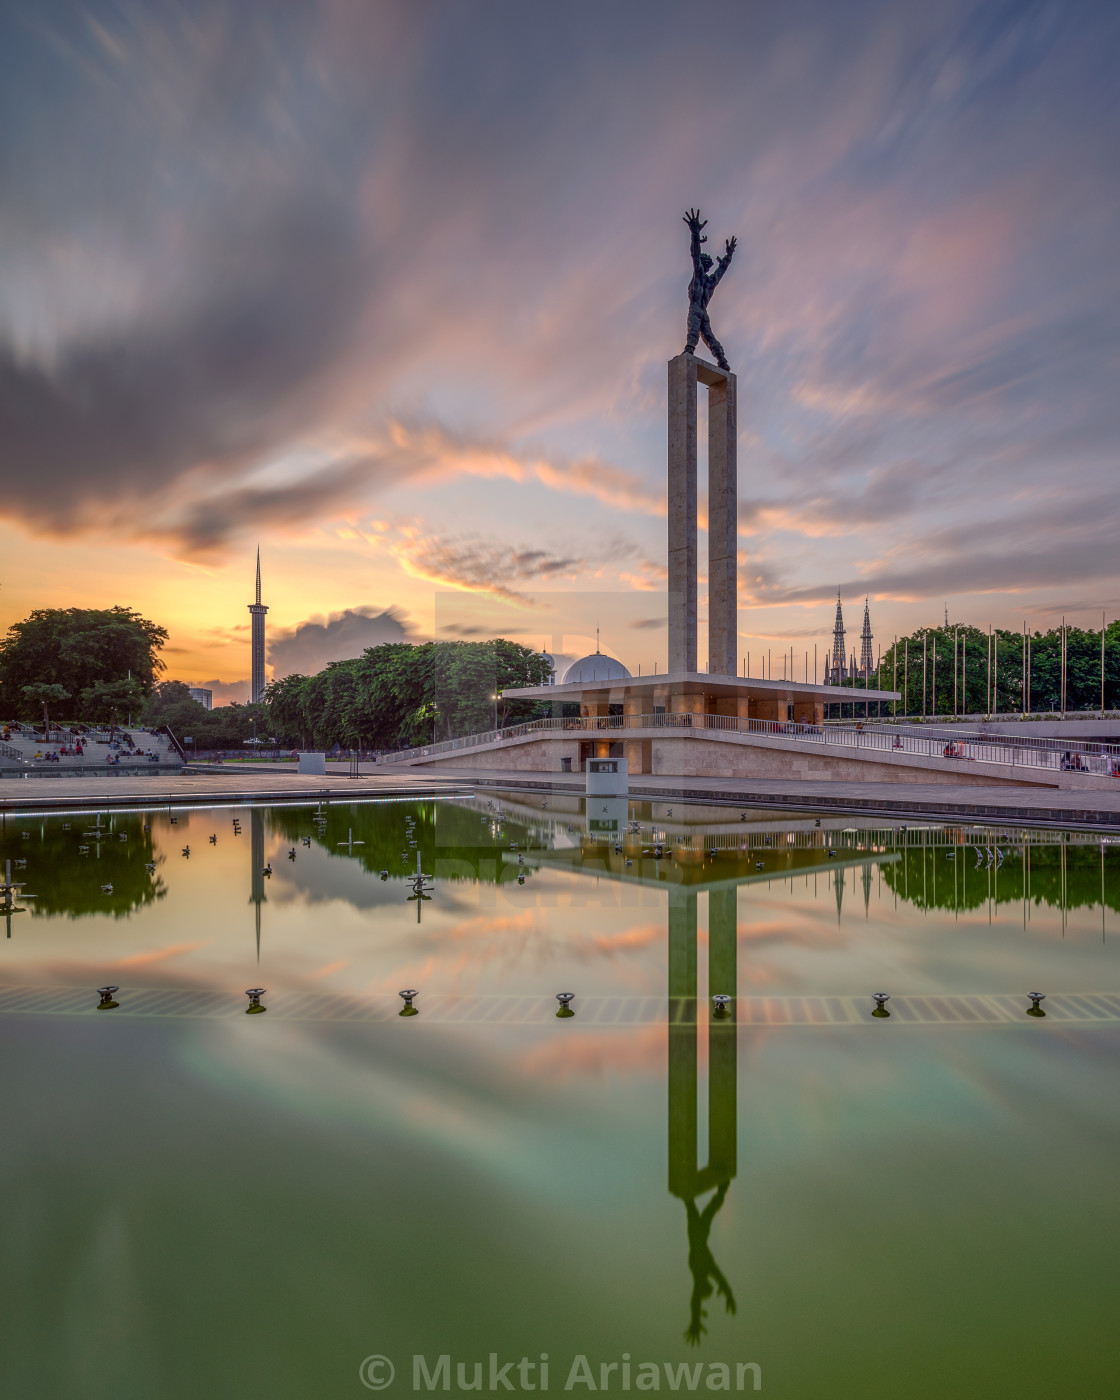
point(170, 706)
point(284, 702)
point(46, 695)
point(112, 699)
point(78, 648)
point(169, 697)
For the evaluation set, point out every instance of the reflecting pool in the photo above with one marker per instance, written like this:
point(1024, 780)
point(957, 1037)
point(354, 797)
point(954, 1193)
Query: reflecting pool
point(647, 1188)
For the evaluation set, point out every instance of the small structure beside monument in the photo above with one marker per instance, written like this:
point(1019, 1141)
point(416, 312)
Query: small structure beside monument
point(607, 777)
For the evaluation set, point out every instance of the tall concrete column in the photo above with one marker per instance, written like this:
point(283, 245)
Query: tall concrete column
point(685, 371)
point(682, 513)
point(723, 511)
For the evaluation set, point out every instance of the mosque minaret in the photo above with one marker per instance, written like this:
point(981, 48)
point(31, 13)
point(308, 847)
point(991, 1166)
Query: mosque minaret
point(258, 610)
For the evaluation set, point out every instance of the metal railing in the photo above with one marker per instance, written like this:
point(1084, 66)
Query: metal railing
point(1100, 759)
point(944, 733)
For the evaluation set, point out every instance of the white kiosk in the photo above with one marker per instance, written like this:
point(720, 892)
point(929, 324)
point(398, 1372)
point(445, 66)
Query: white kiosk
point(607, 777)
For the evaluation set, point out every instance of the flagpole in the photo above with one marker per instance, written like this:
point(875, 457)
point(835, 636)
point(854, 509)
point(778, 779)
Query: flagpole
point(956, 648)
point(1063, 666)
point(995, 671)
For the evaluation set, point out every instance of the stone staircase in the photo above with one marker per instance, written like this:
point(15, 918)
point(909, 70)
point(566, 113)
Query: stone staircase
point(27, 752)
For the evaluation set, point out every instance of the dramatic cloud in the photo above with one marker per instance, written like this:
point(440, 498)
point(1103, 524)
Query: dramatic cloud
point(482, 565)
point(487, 564)
point(265, 267)
point(310, 646)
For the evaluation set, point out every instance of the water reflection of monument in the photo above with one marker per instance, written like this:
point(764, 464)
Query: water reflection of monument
point(687, 1178)
point(716, 859)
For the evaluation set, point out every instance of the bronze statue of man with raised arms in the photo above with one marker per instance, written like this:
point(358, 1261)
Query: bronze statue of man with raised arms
point(700, 289)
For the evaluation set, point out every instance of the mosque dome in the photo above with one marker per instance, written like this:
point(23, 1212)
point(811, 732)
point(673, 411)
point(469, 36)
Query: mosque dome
point(595, 667)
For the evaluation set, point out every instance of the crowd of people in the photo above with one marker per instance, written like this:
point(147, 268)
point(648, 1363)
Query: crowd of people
point(121, 747)
point(66, 751)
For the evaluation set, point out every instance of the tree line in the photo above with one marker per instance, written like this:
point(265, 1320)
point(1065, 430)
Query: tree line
point(964, 670)
point(99, 665)
point(400, 695)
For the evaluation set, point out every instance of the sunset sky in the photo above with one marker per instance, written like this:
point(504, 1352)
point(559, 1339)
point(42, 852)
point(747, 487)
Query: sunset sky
point(390, 289)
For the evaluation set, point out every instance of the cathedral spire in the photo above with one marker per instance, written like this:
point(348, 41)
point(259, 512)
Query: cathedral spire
point(866, 651)
point(839, 650)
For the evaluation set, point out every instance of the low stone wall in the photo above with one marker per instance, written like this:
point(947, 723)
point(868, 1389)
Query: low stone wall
point(716, 755)
point(91, 770)
point(519, 755)
point(698, 758)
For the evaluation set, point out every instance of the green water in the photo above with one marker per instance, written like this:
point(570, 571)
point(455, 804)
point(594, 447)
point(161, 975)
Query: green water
point(197, 1202)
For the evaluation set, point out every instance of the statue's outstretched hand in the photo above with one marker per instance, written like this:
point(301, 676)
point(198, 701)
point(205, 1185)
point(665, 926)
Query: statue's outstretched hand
point(731, 246)
point(694, 221)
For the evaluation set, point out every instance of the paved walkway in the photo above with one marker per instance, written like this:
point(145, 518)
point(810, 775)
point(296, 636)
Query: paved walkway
point(1043, 807)
point(221, 785)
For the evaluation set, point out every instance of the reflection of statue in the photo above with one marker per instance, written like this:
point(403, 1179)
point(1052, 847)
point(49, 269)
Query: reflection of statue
point(687, 1179)
point(702, 1265)
point(702, 286)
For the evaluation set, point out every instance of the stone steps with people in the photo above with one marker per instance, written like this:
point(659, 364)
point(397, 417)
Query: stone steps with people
point(21, 746)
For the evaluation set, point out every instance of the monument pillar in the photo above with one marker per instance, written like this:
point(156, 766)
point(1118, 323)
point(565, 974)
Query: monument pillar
point(682, 513)
point(723, 527)
point(685, 371)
